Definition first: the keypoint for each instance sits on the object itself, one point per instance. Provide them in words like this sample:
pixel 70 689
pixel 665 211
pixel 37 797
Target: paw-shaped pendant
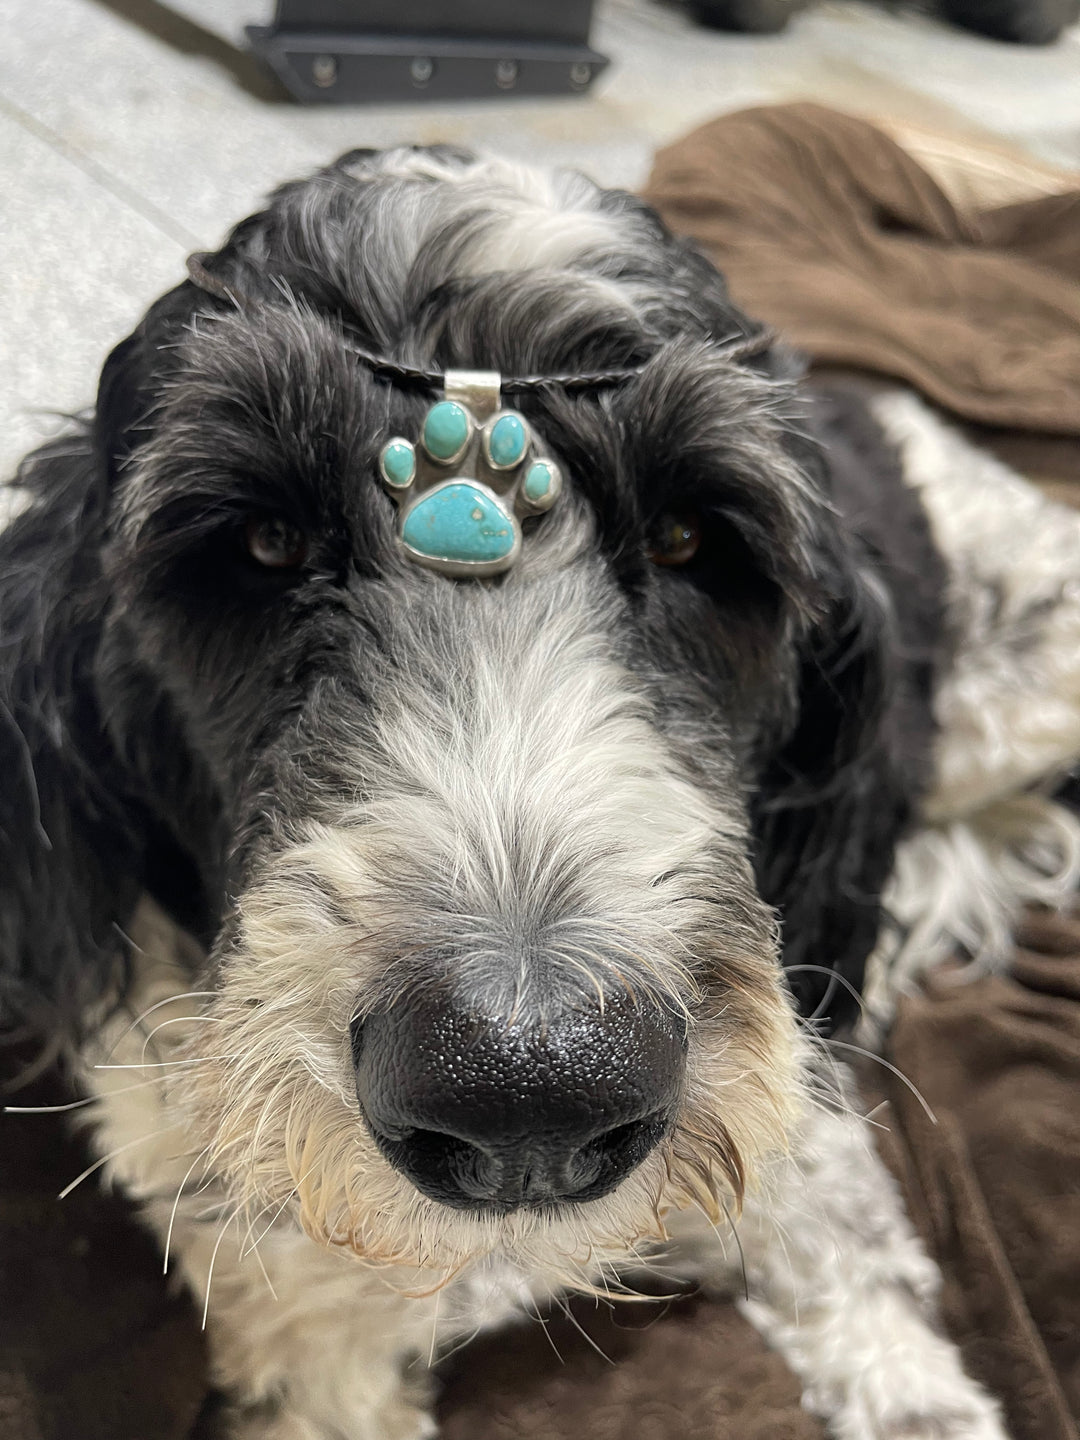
pixel 463 488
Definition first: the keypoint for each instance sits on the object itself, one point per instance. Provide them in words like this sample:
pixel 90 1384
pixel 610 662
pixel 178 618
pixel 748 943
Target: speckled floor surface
pixel 120 152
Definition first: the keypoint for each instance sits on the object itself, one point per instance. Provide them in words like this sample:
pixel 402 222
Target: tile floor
pixel 121 152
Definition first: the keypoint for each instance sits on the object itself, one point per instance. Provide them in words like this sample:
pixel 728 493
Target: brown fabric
pixel 994 1186
pixel 94 1343
pixel 829 230
pixel 93 1347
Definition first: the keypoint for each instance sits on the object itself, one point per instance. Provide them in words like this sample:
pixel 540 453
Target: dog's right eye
pixel 275 542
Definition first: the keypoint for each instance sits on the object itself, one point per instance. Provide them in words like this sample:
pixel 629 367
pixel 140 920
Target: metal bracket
pixel 373 51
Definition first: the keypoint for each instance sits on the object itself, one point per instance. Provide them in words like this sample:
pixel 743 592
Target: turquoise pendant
pixel 467 522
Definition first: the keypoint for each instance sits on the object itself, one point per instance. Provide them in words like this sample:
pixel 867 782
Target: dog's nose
pixel 494 1113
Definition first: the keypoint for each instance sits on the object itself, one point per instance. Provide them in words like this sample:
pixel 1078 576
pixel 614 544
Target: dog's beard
pixel 282 1125
pixel 498 797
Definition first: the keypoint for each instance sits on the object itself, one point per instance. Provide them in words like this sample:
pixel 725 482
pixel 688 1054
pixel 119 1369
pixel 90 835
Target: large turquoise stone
pixel 459 522
pixel 506 441
pixel 446 430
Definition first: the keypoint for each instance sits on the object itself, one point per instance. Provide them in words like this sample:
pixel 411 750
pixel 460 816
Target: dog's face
pixel 487 866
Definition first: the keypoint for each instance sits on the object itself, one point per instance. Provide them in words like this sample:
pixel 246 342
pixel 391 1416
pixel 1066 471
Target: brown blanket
pixel 829 230
pixel 826 227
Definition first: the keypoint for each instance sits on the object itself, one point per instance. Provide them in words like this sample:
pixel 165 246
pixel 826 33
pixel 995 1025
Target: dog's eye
pixel 275 542
pixel 675 538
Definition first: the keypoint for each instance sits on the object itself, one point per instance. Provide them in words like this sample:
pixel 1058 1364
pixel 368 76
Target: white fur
pixel 1014 603
pixel 535 219
pixel 1008 709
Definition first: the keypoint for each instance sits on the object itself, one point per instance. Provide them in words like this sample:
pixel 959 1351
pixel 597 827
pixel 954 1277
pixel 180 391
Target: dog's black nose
pixel 494 1113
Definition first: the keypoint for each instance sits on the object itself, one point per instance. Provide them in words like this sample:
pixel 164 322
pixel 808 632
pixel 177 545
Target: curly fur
pixel 249 809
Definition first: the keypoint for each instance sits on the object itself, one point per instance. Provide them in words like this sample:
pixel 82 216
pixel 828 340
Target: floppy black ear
pixel 68 848
pixel 832 805
pixel 838 794
pixel 83 831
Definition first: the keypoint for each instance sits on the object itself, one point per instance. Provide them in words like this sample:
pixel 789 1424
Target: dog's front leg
pixel 839 1283
pixel 332 1353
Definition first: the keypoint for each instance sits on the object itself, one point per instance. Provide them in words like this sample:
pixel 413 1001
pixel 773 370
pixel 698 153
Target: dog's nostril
pixel 626 1144
pixel 464 1175
pixel 443 1166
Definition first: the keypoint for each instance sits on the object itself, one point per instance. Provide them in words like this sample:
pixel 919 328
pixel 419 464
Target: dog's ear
pixel 68 854
pixel 82 833
pixel 834 799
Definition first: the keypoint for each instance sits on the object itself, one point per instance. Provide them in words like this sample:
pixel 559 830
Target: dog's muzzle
pixel 497 1113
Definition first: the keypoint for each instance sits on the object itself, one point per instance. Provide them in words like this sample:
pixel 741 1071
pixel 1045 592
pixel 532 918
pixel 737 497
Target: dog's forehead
pixel 282 389
pixel 422 218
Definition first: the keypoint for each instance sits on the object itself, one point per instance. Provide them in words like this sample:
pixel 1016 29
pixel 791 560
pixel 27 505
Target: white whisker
pixel 869 1054
pixel 120 1149
pixel 77 1104
pixel 213 1261
pixel 175 1204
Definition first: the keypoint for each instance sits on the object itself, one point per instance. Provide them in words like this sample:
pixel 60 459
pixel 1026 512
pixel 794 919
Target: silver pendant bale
pixel 463 488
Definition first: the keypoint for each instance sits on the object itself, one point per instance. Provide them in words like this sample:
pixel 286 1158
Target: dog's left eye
pixel 675 538
pixel 275 542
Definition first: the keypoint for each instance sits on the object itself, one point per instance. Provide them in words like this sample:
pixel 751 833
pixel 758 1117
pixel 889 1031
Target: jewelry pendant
pixel 464 487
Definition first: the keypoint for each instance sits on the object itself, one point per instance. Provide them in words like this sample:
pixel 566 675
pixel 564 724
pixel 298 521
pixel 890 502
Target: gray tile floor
pixel 120 153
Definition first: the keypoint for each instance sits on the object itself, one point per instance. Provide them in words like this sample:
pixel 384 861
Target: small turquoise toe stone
pixel 460 522
pixel 539 482
pixel 398 463
pixel 506 441
pixel 446 430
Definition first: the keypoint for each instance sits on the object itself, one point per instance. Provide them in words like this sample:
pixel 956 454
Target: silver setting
pixel 554 489
pixel 387 481
pixel 478 392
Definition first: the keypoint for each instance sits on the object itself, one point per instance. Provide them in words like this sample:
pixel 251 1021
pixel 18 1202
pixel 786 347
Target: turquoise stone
pixel 459 522
pixel 446 430
pixel 506 441
pixel 539 480
pixel 397 463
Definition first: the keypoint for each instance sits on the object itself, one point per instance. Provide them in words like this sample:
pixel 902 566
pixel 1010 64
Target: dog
pixel 448 810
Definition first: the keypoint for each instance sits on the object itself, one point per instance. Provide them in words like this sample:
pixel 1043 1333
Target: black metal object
pixel 369 51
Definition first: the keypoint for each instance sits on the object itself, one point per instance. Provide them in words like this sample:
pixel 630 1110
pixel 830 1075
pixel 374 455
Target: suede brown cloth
pixel 95 1346
pixel 994 1185
pixel 94 1343
pixel 829 230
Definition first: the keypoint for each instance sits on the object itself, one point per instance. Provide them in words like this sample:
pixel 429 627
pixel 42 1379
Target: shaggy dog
pixel 432 940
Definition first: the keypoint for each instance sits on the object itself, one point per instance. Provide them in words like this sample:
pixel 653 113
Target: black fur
pixel 165 704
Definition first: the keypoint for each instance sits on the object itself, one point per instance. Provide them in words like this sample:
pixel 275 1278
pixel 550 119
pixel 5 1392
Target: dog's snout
pixel 497 1113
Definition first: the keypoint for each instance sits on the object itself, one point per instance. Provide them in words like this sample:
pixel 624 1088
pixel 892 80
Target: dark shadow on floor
pixel 189 38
